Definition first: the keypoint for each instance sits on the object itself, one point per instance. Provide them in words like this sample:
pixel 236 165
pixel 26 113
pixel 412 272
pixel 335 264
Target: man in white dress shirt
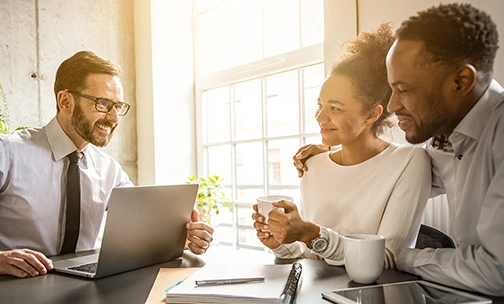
pixel 34 164
pixel 440 69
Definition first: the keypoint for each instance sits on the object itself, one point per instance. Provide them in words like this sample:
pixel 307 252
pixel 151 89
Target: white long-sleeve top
pixel 384 195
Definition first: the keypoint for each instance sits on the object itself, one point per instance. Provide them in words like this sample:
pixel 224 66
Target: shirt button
pixel 460 156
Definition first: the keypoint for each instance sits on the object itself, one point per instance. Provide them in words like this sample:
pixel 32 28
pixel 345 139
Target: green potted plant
pixel 210 197
pixel 4 114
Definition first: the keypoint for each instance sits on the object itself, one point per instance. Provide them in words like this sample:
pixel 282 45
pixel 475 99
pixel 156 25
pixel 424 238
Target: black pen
pixel 228 281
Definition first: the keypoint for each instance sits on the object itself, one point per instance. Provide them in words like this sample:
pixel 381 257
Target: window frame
pixel 297 59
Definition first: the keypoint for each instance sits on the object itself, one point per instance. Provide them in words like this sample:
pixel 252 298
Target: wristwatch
pixel 320 243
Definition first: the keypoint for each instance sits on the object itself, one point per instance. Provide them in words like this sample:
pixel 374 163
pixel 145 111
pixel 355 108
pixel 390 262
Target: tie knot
pixel 75 156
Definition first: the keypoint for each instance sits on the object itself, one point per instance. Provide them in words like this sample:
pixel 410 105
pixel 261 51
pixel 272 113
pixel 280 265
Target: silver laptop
pixel 145 225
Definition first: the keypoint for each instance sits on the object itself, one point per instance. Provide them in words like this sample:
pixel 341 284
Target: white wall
pixel 340 25
pixel 145 114
pixel 37 35
pixel 165 90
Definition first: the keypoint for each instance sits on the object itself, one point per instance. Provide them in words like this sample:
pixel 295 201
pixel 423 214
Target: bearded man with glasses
pixel 34 163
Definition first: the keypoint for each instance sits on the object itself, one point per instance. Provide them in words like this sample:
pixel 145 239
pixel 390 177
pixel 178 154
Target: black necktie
pixel 73 204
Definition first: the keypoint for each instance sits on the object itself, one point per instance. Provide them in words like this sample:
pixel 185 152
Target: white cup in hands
pixel 364 257
pixel 264 204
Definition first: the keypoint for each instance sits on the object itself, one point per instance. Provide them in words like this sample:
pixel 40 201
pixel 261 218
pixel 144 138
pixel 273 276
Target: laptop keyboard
pixel 90 268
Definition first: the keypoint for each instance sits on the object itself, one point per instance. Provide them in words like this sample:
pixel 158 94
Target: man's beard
pixel 421 135
pixel 84 128
pixel 432 128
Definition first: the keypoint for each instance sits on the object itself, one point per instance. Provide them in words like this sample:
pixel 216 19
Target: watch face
pixel 319 245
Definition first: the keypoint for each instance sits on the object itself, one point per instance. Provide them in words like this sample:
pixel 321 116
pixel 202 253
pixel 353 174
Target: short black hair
pixel 455 34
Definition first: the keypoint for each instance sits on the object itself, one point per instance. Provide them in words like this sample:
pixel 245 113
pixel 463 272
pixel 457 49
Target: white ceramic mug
pixel 264 204
pixel 364 257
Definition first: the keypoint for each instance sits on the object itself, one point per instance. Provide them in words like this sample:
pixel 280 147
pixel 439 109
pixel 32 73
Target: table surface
pixel 134 286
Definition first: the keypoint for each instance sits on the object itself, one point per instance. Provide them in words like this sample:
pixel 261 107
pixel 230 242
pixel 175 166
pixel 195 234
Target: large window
pixel 236 32
pixel 248 123
pixel 258 78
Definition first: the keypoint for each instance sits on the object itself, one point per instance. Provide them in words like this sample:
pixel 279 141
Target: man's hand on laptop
pixel 24 263
pixel 199 235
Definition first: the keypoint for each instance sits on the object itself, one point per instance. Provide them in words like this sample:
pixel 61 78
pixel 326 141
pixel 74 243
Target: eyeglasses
pixel 105 105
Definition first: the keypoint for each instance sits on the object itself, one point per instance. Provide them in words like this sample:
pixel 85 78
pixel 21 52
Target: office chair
pixel 430 237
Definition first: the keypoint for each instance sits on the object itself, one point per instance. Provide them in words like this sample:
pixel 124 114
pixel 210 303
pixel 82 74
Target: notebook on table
pixel 280 284
pixel 145 225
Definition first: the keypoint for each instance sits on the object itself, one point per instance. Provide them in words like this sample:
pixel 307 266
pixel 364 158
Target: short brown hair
pixel 72 72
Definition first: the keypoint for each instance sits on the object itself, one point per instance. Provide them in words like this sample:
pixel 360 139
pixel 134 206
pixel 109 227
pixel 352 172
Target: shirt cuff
pixel 282 252
pixel 404 260
pixel 334 262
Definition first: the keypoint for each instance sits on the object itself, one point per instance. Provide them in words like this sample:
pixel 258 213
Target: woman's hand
pixel 262 234
pixel 283 227
pixel 289 227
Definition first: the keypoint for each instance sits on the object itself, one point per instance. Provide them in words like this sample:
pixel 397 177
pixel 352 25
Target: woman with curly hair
pixel 365 184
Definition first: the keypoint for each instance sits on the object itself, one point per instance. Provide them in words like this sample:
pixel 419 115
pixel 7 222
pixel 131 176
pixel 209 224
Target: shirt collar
pixel 61 144
pixel 474 122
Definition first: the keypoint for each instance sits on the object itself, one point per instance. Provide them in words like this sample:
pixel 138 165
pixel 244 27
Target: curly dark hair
pixel 455 34
pixel 364 64
pixel 72 72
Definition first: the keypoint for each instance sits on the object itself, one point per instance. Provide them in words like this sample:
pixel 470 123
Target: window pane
pixel 206 4
pixel 313 140
pixel 255 122
pixel 219 163
pixel 246 21
pixel 248 109
pixel 313 77
pixel 280 168
pixel 281 26
pixel 282 104
pixel 224 216
pixel 249 194
pixel 214 34
pixel 294 193
pixel 249 163
pixel 223 234
pixel 249 237
pixel 312 22
pixel 245 215
pixel 216 105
